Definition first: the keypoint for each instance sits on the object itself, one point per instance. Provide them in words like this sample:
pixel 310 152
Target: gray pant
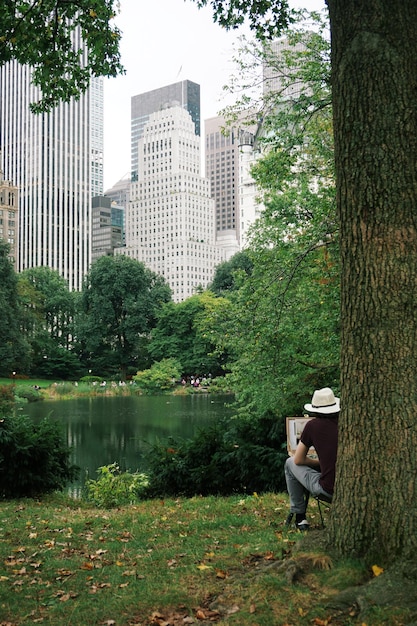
pixel 300 478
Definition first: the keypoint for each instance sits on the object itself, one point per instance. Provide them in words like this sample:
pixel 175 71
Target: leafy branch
pixel 65 43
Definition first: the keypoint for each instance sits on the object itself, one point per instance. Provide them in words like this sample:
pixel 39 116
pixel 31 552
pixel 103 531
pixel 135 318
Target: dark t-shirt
pixel 321 432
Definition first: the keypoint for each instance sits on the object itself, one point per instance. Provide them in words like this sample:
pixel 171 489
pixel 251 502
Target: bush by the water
pixel 34 459
pixel 7 399
pixel 29 393
pixel 162 376
pixel 231 456
pixel 115 488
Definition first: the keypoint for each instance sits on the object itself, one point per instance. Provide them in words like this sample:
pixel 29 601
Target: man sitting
pixel 314 475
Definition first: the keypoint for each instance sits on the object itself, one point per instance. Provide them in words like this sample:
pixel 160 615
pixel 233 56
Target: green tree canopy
pixel 226 275
pixel 119 303
pixel 282 325
pixel 48 309
pixel 266 17
pixel 45 35
pixel 14 350
pixel 181 334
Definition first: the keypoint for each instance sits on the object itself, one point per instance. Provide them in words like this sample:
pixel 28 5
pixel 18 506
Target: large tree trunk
pixel 374 63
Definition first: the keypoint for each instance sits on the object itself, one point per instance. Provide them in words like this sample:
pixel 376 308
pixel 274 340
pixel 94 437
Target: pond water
pixel 106 430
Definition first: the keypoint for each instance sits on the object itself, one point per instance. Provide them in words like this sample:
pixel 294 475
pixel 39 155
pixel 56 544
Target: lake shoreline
pixel 39 390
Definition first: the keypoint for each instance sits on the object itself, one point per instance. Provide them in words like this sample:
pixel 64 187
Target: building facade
pixel 170 221
pixel 9 216
pixel 120 192
pixel 250 207
pixel 230 152
pixel 185 94
pixel 222 168
pixel 277 77
pixel 56 160
pixel 107 232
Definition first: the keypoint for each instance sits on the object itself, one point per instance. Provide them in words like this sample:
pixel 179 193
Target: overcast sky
pixel 164 41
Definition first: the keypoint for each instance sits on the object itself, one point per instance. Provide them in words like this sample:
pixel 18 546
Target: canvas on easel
pixel 295 426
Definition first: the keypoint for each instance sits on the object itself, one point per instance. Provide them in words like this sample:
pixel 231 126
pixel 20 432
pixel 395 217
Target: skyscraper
pixel 222 168
pixel 56 160
pixel 185 94
pixel 170 220
pixel 278 77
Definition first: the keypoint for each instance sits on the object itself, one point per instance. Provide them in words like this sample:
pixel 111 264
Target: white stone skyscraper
pixel 170 220
pixel 56 161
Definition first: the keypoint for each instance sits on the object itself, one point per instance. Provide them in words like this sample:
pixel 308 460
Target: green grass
pixel 51 390
pixel 41 382
pixel 162 562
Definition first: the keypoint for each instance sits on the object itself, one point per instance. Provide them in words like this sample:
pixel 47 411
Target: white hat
pixel 323 401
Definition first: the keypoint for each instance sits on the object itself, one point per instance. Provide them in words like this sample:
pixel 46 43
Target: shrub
pixel 28 393
pixel 115 488
pixel 91 379
pixel 231 456
pixel 34 460
pixel 7 399
pixel 162 376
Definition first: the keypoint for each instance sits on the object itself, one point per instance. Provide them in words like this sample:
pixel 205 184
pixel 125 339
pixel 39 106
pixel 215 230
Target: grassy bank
pixel 188 561
pixel 52 390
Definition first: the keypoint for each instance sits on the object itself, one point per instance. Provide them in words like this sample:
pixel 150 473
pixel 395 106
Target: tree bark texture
pixel 374 65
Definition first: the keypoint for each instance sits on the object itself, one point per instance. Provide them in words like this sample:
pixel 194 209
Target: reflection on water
pixel 106 430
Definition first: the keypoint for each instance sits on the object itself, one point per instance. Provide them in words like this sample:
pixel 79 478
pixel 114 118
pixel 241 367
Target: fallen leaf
pixel 202 566
pixel 65 572
pixel 125 536
pixel 377 570
pixel 65 597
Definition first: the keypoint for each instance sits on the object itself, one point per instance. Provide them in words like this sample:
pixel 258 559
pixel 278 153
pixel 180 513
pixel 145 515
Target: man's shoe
pixel 303 525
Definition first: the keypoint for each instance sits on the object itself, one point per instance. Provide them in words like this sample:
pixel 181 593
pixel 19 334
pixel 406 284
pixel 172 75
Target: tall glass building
pixel 185 94
pixel 56 161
